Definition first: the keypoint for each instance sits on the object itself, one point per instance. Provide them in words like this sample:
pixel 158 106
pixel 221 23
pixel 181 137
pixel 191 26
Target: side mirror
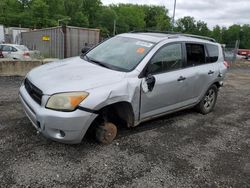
pixel 150 79
pixel 85 50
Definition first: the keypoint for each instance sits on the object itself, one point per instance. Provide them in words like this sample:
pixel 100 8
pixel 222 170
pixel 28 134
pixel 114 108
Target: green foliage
pixel 245 36
pixel 191 26
pixel 105 21
pixel 129 17
pixel 83 13
pixel 126 17
pixel 223 35
pixel 217 33
pixel 186 25
pixel 156 18
pixel 39 13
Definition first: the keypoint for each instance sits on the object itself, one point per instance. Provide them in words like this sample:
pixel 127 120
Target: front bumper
pixel 66 127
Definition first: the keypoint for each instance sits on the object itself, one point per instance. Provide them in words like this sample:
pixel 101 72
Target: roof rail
pixel 153 31
pixel 199 37
pixel 175 33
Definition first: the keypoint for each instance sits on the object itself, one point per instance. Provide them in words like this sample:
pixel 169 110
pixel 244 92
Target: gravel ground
pixel 185 149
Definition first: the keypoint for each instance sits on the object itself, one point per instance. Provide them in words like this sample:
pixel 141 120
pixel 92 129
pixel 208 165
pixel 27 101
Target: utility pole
pixel 173 14
pixel 114 30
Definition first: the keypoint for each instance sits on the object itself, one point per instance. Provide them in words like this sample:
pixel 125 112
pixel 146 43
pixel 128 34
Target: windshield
pixel 120 53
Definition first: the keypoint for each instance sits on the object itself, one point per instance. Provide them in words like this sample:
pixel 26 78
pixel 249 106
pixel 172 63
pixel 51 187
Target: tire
pixel 106 133
pixel 207 103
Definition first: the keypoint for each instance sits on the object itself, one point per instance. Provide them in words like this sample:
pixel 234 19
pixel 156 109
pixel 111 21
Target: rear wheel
pixel 106 132
pixel 207 103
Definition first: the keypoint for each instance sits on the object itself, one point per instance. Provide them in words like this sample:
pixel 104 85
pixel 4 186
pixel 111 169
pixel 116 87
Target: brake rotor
pixel 106 133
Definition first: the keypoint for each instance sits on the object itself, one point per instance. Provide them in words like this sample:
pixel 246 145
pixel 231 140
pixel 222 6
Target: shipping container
pixel 60 42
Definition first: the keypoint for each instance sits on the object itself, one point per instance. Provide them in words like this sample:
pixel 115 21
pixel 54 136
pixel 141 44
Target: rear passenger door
pixel 203 65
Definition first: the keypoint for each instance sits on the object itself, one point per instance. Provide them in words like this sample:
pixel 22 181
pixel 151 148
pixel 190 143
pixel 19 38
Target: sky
pixel 213 12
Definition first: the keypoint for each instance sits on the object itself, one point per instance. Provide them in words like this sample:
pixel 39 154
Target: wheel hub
pixel 209 99
pixel 106 133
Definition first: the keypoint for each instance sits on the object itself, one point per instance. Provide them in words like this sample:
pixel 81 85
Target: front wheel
pixel 207 103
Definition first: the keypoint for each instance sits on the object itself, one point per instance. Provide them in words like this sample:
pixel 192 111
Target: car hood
pixel 72 74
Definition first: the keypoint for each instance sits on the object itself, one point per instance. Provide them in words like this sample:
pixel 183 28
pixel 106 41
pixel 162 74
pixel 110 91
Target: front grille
pixel 33 91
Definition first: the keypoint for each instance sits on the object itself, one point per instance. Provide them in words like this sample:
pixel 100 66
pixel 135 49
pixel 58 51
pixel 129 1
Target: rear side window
pixel 213 53
pixel 14 49
pixel 195 54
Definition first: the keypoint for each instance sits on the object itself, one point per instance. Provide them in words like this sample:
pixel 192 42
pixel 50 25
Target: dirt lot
pixel 185 149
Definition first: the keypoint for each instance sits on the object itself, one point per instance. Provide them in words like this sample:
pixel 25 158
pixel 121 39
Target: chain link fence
pixel 231 50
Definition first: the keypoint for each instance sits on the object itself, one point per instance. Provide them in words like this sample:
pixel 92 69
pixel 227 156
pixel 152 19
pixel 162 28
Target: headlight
pixel 66 101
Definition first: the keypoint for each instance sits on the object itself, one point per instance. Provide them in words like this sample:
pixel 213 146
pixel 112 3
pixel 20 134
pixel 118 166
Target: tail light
pixel 27 54
pixel 226 64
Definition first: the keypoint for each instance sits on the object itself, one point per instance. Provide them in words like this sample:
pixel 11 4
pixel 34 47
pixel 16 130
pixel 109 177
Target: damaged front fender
pixel 127 90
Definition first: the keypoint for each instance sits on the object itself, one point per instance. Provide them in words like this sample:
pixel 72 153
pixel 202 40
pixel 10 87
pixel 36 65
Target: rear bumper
pixel 66 127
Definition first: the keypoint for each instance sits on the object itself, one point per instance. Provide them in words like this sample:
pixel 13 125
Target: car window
pixel 7 48
pixel 22 48
pixel 120 53
pixel 166 59
pixel 195 54
pixel 213 53
pixel 13 49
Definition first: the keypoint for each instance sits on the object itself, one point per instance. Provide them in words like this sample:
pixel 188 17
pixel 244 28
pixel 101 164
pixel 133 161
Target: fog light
pixel 62 133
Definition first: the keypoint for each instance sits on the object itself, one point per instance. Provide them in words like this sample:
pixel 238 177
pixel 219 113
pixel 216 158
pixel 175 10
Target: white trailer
pixel 2 38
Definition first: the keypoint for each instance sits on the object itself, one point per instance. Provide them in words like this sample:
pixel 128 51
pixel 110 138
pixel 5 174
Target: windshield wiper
pixel 85 57
pixel 103 64
pixel 97 62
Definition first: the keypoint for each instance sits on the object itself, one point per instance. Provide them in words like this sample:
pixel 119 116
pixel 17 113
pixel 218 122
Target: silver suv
pixel 123 81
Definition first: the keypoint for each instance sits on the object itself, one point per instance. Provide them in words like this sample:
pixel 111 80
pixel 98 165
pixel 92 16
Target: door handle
pixel 210 72
pixel 181 78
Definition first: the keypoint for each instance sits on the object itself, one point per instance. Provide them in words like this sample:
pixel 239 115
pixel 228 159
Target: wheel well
pixel 120 113
pixel 218 85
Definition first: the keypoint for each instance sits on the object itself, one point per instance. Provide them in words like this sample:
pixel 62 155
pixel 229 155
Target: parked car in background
pixel 16 52
pixel 126 80
pixel 244 52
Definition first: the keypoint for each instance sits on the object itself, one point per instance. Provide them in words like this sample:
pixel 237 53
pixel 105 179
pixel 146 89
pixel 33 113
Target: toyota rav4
pixel 123 81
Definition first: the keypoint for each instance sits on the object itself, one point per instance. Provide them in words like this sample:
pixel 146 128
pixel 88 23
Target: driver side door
pixel 166 67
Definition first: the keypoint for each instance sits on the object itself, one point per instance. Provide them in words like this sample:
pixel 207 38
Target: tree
pixel 156 17
pixel 186 24
pixel 106 17
pixel 245 36
pixel 201 29
pixel 10 12
pixel 216 33
pixel 91 8
pixel 79 19
pixel 39 13
pixel 129 17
